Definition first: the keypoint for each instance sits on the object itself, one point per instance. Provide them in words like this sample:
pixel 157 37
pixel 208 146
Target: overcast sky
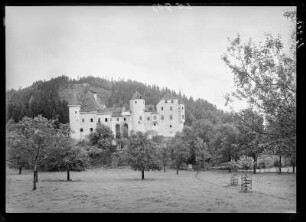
pixel 180 49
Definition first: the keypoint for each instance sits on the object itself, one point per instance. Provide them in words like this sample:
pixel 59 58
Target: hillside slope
pixel 51 98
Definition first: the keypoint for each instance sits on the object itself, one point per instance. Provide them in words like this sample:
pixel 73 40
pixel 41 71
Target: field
pixel 122 190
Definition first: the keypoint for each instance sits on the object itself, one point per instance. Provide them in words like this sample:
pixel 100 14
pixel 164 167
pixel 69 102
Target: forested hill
pixel 50 98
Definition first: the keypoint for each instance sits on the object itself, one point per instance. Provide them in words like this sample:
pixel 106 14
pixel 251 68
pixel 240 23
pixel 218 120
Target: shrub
pixel 234 165
pixel 276 163
pixel 261 164
pixel 245 163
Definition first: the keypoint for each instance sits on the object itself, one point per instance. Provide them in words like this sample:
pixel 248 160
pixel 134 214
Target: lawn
pixel 122 190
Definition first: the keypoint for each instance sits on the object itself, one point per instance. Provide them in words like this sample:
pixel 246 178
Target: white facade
pixel 166 119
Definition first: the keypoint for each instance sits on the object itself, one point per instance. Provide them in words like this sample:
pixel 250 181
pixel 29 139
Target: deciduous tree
pixel 180 151
pixel 142 154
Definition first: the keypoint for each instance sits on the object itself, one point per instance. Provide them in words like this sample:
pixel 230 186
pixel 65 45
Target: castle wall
pixel 74 121
pixel 88 124
pixel 170 117
pixel 168 120
pixel 137 107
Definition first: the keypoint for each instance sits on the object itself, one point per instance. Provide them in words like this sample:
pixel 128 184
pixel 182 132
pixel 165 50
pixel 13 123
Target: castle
pixel 165 119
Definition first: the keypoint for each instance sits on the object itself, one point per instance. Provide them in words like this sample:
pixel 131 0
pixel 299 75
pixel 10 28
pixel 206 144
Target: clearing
pixel 122 190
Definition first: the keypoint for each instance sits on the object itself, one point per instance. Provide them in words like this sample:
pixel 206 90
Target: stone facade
pixel 165 119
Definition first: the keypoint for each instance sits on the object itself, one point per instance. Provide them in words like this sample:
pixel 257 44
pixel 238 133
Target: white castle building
pixel 165 119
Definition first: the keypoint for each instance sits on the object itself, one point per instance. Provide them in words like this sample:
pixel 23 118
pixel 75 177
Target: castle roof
pixel 149 108
pixel 168 96
pixel 136 95
pixel 111 111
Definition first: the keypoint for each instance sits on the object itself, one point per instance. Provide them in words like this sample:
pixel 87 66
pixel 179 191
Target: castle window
pixel 91 120
pixel 170 126
pixel 124 119
pixel 154 117
pixel 154 124
pixel 162 108
pixel 91 129
pixel 99 120
pixel 83 120
pixel 140 117
pixel 81 130
pixel 166 101
pixel 106 119
pixel 76 112
pixel 117 119
pixel 182 107
pixel 171 117
pixel 170 107
pixel 171 101
pixel 162 117
pixel 148 118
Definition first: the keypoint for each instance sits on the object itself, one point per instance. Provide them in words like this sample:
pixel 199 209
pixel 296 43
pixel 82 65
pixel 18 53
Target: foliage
pixel 104 140
pixel 50 98
pixel 245 163
pixel 226 142
pixel 180 149
pixel 264 163
pixel 265 76
pixel 142 154
pixel 33 138
pixel 43 143
pixel 201 151
pixel 250 125
pixel 41 98
pixel 234 165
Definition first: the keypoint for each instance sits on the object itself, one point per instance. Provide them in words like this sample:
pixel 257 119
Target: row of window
pixel 161 117
pixel 91 129
pixel 171 108
pixel 105 119
pixel 140 118
pixel 136 102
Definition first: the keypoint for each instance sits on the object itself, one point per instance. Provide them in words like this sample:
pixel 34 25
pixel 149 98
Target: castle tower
pixel 137 107
pixel 74 120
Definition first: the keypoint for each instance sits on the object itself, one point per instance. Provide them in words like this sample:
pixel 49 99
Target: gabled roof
pixel 137 95
pixel 168 97
pixel 111 111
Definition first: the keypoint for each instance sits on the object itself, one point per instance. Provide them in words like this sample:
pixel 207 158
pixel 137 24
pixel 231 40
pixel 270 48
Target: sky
pixel 175 47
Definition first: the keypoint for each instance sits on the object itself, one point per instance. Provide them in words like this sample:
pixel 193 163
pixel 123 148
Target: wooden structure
pixel 246 183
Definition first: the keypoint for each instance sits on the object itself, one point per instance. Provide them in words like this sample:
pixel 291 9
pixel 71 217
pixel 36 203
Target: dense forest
pixel 50 98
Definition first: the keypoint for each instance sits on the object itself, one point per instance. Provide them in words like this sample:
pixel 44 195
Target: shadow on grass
pixel 61 180
pixel 139 179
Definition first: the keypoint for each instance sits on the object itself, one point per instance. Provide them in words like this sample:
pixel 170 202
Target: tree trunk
pixel 68 175
pixel 293 168
pixel 203 166
pixel 20 168
pixel 280 164
pixel 142 174
pixel 255 165
pixel 177 170
pixel 34 178
pixel 164 168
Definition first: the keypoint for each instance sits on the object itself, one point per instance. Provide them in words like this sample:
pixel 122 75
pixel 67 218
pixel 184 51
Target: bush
pixel 261 165
pixel 276 163
pixel 245 163
pixel 233 165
